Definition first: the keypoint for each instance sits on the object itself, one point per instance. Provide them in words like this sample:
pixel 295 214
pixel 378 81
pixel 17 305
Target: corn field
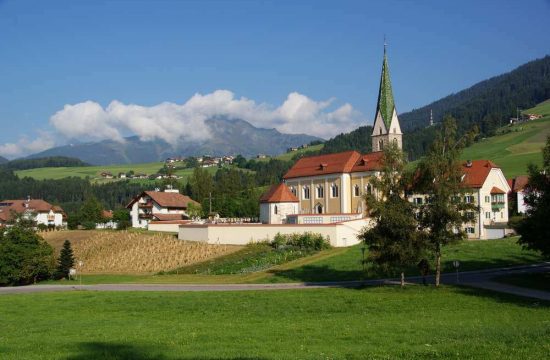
pixel 134 252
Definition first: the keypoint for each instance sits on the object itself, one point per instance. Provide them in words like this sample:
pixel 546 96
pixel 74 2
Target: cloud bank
pixel 177 123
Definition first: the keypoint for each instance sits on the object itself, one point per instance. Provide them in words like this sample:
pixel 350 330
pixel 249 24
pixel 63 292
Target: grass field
pixel 289 155
pixel 516 146
pixel 371 323
pixel 93 172
pixel 338 264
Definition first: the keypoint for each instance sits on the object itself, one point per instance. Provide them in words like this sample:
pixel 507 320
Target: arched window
pixel 369 189
pixel 380 145
pixel 334 190
pixel 356 191
pixel 380 131
pixel 395 141
pixel 320 192
pixel 306 192
pixel 275 210
pixel 319 208
pixel 293 190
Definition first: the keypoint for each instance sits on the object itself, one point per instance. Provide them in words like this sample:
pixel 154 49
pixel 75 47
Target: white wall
pixel 268 216
pixel 340 235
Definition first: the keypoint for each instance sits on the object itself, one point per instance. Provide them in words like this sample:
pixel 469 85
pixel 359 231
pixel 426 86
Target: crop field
pixel 370 323
pixel 516 146
pixel 133 252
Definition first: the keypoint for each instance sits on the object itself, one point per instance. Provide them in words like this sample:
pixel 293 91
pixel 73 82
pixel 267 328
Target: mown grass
pixel 371 323
pixel 537 281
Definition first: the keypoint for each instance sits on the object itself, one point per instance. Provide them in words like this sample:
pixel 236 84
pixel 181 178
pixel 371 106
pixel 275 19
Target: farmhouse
pixel 42 212
pixel 159 206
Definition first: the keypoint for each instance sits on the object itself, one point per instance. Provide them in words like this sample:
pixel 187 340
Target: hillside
pixel 514 147
pixel 488 102
pixel 3 160
pixel 228 137
pixel 53 161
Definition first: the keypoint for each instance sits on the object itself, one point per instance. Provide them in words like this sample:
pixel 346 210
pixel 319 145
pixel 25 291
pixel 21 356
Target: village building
pixel 38 210
pixel 159 206
pixel 518 187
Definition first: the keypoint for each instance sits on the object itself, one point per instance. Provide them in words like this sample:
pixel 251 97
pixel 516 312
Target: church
pixel 331 187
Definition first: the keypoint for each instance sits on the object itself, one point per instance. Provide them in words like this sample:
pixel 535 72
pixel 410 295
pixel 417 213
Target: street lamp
pixel 456 265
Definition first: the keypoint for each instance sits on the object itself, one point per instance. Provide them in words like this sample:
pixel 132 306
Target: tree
pixel 201 184
pixel 439 177
pixel 65 261
pixel 535 228
pixel 91 211
pixel 24 256
pixel 194 210
pixel 394 242
pixel 122 218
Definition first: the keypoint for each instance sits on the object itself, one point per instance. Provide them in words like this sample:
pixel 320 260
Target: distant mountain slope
pixel 491 102
pixel 3 160
pixel 47 162
pixel 229 136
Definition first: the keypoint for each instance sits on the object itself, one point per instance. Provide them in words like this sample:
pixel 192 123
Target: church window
pixel 306 193
pixel 293 190
pixel 380 131
pixel 319 209
pixel 395 141
pixel 334 190
pixel 275 210
pixel 381 145
pixel 356 190
pixel 369 189
pixel 320 192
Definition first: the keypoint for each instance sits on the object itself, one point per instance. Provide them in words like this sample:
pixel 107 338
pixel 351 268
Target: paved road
pixel 481 279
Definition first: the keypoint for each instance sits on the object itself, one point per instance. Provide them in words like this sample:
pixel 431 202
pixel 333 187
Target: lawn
pixel 371 323
pixel 538 281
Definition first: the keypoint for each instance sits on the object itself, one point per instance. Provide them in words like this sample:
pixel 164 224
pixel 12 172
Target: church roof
pixel 278 193
pixel 385 104
pixel 338 163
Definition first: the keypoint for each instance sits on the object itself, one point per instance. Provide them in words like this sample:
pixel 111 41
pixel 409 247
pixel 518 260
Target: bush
pixel 123 224
pixel 89 225
pixel 305 241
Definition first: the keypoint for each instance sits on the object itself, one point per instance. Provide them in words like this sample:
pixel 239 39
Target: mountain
pixel 488 103
pixel 3 160
pixel 229 136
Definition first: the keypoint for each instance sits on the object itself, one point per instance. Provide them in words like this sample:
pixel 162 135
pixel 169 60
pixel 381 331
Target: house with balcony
pixel 38 210
pixel 158 207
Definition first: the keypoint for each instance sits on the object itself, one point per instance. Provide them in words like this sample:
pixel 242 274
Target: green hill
pixel 514 147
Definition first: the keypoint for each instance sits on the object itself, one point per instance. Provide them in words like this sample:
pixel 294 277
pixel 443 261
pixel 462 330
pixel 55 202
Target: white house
pixel 158 206
pixel 518 185
pixel 42 212
pixel 277 204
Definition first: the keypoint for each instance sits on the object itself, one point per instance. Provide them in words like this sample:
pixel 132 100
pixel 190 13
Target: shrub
pixel 89 225
pixel 305 241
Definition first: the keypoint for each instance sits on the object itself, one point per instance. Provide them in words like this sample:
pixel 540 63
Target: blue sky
pixel 301 66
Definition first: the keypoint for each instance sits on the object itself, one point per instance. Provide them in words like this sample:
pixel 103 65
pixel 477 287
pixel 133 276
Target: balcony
pixel 146 205
pixel 145 216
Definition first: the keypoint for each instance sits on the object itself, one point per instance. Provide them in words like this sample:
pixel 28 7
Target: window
pixel 395 141
pixel 470 230
pixel 319 208
pixel 305 191
pixel 469 199
pixel 275 210
pixel 369 189
pixel 470 215
pixel 487 215
pixel 356 190
pixel 381 143
pixel 487 199
pixel 418 200
pixel 320 192
pixel 334 190
pixel 293 190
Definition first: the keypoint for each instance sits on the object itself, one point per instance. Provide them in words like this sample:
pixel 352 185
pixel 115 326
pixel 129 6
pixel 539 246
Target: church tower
pixel 386 124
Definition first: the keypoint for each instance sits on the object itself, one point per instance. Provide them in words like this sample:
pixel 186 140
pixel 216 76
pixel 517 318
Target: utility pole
pixel 210 201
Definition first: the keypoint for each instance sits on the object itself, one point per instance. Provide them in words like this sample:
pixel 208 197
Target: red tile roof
pixel 477 172
pixel 496 190
pixel 168 217
pixel 278 193
pixel 166 199
pixel 520 182
pixel 344 162
pixel 20 206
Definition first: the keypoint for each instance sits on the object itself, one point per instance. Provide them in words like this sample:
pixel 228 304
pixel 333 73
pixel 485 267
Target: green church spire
pixel 385 103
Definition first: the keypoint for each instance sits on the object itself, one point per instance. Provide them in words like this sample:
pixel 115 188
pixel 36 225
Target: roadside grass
pixel 537 281
pixel 345 264
pixel 371 323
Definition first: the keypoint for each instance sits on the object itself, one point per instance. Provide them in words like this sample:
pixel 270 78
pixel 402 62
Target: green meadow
pixel 371 323
pixel 515 146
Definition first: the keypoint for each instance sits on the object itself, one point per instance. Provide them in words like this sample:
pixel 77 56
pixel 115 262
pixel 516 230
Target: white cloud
pixel 25 146
pixel 175 123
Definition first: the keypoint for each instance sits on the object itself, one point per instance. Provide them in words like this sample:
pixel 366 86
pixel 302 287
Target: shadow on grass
pixel 318 273
pixel 112 351
pixel 502 297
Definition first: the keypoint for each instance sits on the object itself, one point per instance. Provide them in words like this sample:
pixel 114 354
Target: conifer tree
pixel 65 261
